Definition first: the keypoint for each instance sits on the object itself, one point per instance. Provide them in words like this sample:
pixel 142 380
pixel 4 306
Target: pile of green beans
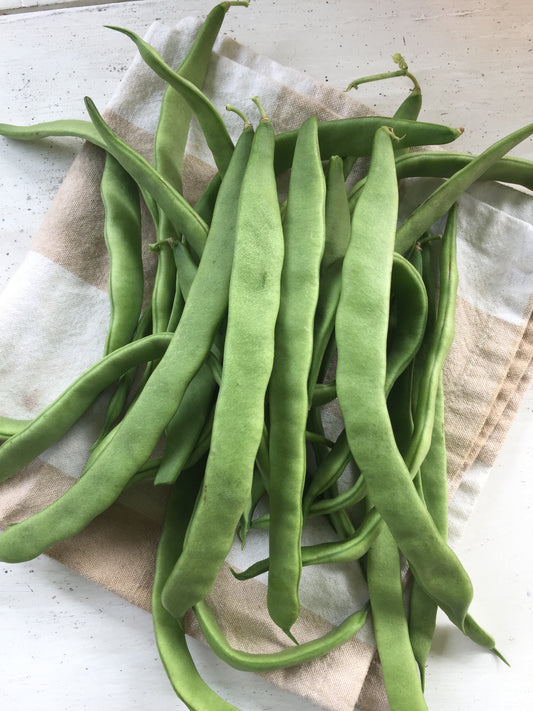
pixel 230 366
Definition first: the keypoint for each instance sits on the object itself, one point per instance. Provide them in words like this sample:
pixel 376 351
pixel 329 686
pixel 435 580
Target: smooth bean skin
pixel 10 426
pixel 344 551
pixel 288 657
pixel 75 128
pixel 213 126
pixel 337 219
pixel 444 164
pixel 248 357
pixel 364 309
pixel 403 342
pixel 354 137
pixel 185 427
pixel 57 418
pixel 127 447
pixel 400 671
pixel 441 200
pixel 170 638
pixel 304 233
pixel 170 141
pixel 123 236
pixel 182 215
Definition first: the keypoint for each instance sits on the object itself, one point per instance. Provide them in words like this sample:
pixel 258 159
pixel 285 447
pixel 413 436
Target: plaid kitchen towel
pixel 53 321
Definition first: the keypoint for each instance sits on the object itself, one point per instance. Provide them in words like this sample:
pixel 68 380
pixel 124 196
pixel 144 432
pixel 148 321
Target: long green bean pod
pixel 444 164
pixel 170 638
pixel 354 137
pixel 400 672
pixel 248 356
pixel 213 126
pixel 123 236
pixel 337 217
pixel 361 370
pixel 304 232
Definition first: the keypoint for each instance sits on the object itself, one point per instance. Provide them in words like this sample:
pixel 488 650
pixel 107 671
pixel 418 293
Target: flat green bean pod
pixel 127 447
pixel 361 369
pixel 304 234
pixel 123 236
pixel 248 356
pixel 354 137
pixel 10 426
pixel 444 164
pixel 75 128
pixel 213 126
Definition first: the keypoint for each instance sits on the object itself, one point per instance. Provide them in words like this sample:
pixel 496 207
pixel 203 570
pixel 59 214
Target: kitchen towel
pixel 53 320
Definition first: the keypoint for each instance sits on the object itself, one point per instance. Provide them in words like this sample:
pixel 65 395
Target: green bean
pixel 248 355
pixel 433 471
pixel 288 657
pixel 213 127
pixel 441 200
pixel 76 128
pixel 361 368
pixel 400 672
pixel 119 397
pixel 304 232
pixel 345 551
pixel 337 216
pixel 444 164
pixel 170 638
pixel 10 426
pixel 55 419
pixel 185 427
pixel 354 136
pixel 403 343
pixel 163 290
pixel 182 215
pixel 258 491
pixel 169 149
pixel 110 468
pixel 122 230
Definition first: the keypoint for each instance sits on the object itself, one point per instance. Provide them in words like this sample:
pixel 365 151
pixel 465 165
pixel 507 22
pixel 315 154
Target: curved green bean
pixel 213 126
pixel 364 309
pixel 354 137
pixel 170 638
pixel 57 418
pixel 441 200
pixel 288 657
pixel 181 214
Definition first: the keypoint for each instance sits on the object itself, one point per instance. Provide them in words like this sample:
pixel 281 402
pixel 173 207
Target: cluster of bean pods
pixel 253 299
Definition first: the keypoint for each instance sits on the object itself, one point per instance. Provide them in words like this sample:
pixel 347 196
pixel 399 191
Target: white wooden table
pixel 67 644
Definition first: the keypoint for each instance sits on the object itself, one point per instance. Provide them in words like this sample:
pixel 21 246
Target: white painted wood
pixel 67 644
